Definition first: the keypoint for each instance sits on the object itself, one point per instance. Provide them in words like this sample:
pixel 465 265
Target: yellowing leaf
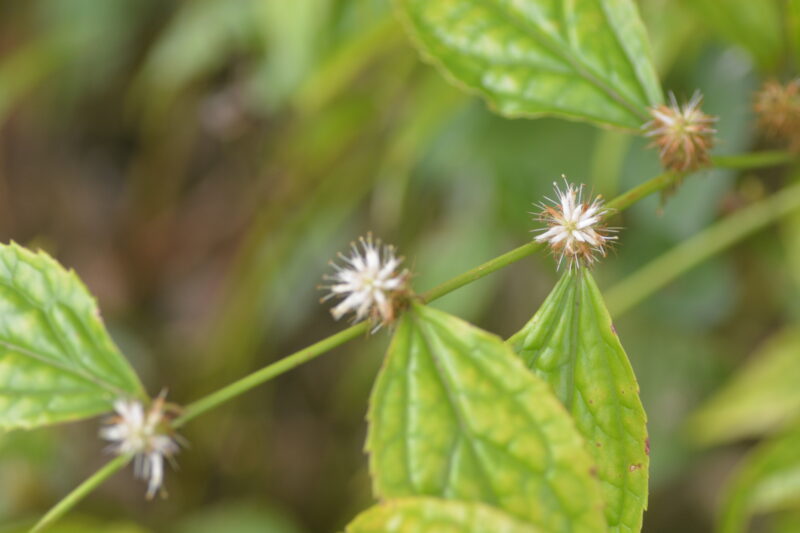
pixel 582 59
pixel 571 344
pixel 455 414
pixel 57 361
pixel 433 515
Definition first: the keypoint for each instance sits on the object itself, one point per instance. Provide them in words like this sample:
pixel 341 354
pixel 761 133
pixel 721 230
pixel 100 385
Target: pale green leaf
pixel 583 59
pixel 762 396
pixel 57 362
pixel 455 414
pixel 571 343
pixel 433 515
pixel 768 480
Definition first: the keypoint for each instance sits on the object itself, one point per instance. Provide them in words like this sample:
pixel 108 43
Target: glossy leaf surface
pixel 57 362
pixel 455 414
pixel 571 343
pixel 583 59
pixel 433 515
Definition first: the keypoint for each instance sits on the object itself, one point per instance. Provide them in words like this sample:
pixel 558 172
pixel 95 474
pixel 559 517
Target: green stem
pixel 273 370
pixel 81 491
pixel 623 296
pixel 268 372
pixel 660 182
pixel 480 271
pixel 700 247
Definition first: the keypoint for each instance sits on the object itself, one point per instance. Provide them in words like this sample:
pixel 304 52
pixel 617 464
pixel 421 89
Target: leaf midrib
pixel 451 400
pixel 441 375
pixel 577 65
pixel 81 370
pixel 572 342
pixel 21 350
pixel 619 409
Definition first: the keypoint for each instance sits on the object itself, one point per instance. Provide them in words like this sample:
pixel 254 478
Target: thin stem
pixel 81 491
pixel 268 372
pixel 627 199
pixel 294 360
pixel 621 297
pixel 739 162
pixel 689 253
pixel 480 271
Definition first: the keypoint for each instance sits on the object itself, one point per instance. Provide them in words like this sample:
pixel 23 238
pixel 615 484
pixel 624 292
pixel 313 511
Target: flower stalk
pixel 81 491
pixel 691 252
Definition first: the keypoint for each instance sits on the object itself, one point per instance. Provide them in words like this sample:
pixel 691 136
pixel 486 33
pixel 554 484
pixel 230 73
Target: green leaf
pixel 57 362
pixel 571 343
pixel 761 397
pixel 583 59
pixel 455 414
pixel 433 515
pixel 768 480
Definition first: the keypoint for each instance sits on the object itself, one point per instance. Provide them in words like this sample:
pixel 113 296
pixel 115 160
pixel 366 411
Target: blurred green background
pixel 198 162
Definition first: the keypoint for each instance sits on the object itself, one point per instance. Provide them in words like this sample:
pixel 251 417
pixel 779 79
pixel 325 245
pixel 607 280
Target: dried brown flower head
pixel 683 134
pixel 778 109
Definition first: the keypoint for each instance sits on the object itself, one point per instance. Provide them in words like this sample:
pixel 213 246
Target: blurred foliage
pixel 197 163
pixel 761 399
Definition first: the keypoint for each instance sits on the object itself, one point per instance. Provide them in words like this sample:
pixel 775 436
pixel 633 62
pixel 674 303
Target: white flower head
pixel 144 434
pixel 575 230
pixel 369 282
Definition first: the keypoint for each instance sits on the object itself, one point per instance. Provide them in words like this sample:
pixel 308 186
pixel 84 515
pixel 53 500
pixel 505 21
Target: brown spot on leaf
pixel 647 446
pixel 634 468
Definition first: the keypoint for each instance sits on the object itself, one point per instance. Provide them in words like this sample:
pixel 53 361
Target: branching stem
pixel 620 203
pixel 691 252
pixel 621 297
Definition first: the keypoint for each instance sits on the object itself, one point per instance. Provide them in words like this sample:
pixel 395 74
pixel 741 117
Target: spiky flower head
pixel 575 228
pixel 369 282
pixel 683 134
pixel 778 109
pixel 146 435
